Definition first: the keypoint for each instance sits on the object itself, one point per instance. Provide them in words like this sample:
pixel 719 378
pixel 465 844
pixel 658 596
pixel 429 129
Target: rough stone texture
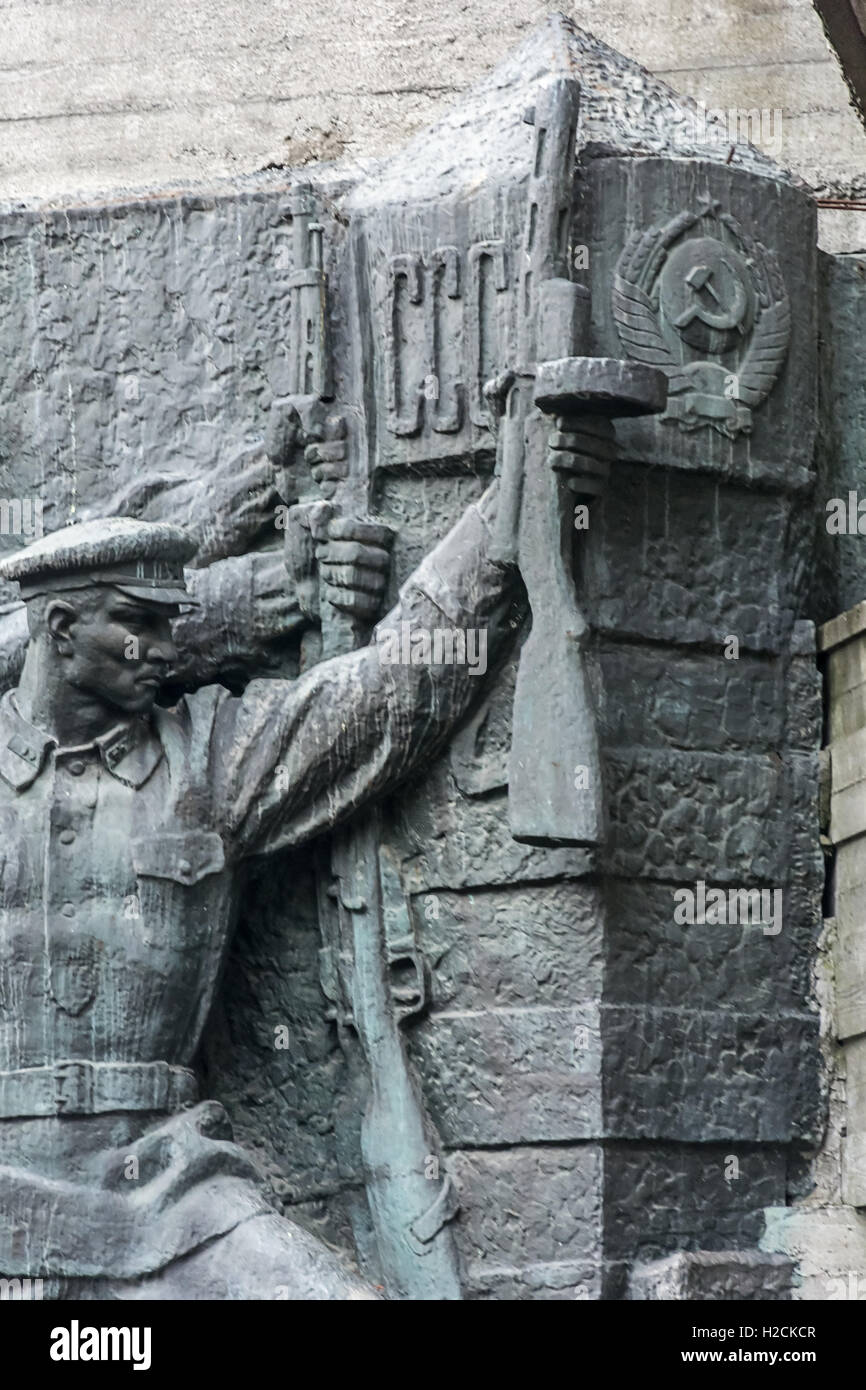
pixel 283 1098
pixel 777 448
pixel 705 562
pixel 706 1034
pixel 694 815
pixel 828 1243
pixel 729 1076
pixel 101 96
pixel 541 1235
pixel 825 1232
pixel 656 962
pixel 728 1274
pixel 712 1186
pixel 143 335
pixel 513 1076
pixel 841 576
pixel 703 703
pixel 510 947
pixel 577 1041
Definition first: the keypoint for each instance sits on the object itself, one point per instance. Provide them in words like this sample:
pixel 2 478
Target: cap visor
pixel 172 598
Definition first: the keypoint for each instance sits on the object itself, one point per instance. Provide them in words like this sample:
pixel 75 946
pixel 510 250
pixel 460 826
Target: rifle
pixel 555 792
pixel 410 1204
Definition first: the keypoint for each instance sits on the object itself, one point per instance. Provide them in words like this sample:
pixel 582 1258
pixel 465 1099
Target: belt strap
pixel 78 1087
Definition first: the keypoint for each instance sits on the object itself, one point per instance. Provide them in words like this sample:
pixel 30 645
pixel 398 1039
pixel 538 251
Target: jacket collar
pixel 130 751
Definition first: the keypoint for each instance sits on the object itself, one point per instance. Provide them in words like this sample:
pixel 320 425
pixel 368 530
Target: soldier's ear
pixel 59 617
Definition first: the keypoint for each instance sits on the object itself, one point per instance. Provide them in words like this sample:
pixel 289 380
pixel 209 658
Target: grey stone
pixel 714 1275
pixel 577 1067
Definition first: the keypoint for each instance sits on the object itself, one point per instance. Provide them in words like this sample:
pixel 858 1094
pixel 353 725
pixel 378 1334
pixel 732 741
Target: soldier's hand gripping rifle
pixel 554 773
pixel 410 1203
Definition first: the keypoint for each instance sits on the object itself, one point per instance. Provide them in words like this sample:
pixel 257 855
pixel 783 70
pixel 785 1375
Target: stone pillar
pixel 825 1232
pixel 710 716
pixel 651 1081
pixel 843 641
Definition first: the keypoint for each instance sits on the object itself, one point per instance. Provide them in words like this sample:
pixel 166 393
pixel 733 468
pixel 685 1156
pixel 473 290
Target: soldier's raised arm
pixel 295 758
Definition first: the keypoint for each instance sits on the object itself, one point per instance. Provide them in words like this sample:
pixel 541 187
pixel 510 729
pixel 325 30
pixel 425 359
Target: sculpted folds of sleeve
pixel 294 758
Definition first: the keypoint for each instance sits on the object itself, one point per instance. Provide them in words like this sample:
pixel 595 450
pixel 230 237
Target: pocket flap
pixel 185 857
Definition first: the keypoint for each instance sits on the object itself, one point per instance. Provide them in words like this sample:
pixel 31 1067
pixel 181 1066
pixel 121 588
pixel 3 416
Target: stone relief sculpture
pixel 466 448
pixel 132 815
pixel 708 295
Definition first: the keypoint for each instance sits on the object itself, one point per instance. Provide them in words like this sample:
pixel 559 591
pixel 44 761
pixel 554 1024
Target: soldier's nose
pixel 163 653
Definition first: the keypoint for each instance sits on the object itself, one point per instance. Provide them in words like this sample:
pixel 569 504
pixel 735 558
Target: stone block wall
pixel 826 1231
pixel 97 96
pixel 611 1085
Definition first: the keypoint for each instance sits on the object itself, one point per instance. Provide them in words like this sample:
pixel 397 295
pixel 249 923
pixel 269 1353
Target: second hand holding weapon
pixel 555 791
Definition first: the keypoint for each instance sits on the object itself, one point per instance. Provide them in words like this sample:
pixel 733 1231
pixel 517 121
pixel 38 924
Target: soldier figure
pixel 125 829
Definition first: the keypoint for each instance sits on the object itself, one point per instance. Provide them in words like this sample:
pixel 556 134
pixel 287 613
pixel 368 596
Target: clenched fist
pixel 353 562
pixel 302 428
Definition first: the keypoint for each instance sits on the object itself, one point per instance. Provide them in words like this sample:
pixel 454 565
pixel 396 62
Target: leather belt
pixel 77 1087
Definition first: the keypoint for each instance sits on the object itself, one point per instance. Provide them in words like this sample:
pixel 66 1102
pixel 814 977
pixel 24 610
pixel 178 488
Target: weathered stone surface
pixel 456 842
pixel 204 93
pixel 591 1063
pixel 683 559
pixel 643 194
pixel 840 580
pixel 294 1105
pixel 848 772
pixel 724 1076
pixel 511 948
pixel 599 386
pixel 682 701
pixel 717 1189
pixel 804 714
pixel 828 1244
pixel 549 1282
pixel 850 954
pixel 683 816
pixel 543 1212
pixel 714 1275
pixel 854 1148
pixel 654 961
pixel 166 363
pixel 512 1076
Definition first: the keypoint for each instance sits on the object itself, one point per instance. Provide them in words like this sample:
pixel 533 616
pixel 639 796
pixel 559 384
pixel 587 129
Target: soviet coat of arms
pixel 711 310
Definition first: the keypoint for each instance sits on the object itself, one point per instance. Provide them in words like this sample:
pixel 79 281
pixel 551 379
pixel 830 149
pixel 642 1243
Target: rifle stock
pixel 554 773
pixel 410 1205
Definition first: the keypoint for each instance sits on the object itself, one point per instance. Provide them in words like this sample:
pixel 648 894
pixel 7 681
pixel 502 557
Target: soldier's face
pixel 120 650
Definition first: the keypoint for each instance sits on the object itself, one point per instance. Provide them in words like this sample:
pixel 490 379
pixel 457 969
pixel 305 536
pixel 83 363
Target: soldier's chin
pixel 140 697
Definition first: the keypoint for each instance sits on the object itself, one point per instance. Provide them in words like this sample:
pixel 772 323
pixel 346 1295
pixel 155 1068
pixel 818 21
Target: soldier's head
pixel 100 598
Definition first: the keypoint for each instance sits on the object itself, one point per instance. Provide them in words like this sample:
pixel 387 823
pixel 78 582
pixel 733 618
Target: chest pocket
pixel 181 886
pixel 185 858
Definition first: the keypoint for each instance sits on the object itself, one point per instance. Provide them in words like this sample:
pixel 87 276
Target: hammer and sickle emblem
pixel 712 310
pixel 705 294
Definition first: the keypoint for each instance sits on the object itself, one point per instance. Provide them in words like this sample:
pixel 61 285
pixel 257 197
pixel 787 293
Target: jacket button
pixel 66 837
pixel 68 909
pixel 76 767
pixel 185 867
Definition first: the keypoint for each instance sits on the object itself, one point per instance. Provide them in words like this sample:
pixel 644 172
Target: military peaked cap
pixel 142 558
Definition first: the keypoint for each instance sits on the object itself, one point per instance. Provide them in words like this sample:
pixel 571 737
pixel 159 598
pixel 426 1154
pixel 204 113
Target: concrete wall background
pixel 98 96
